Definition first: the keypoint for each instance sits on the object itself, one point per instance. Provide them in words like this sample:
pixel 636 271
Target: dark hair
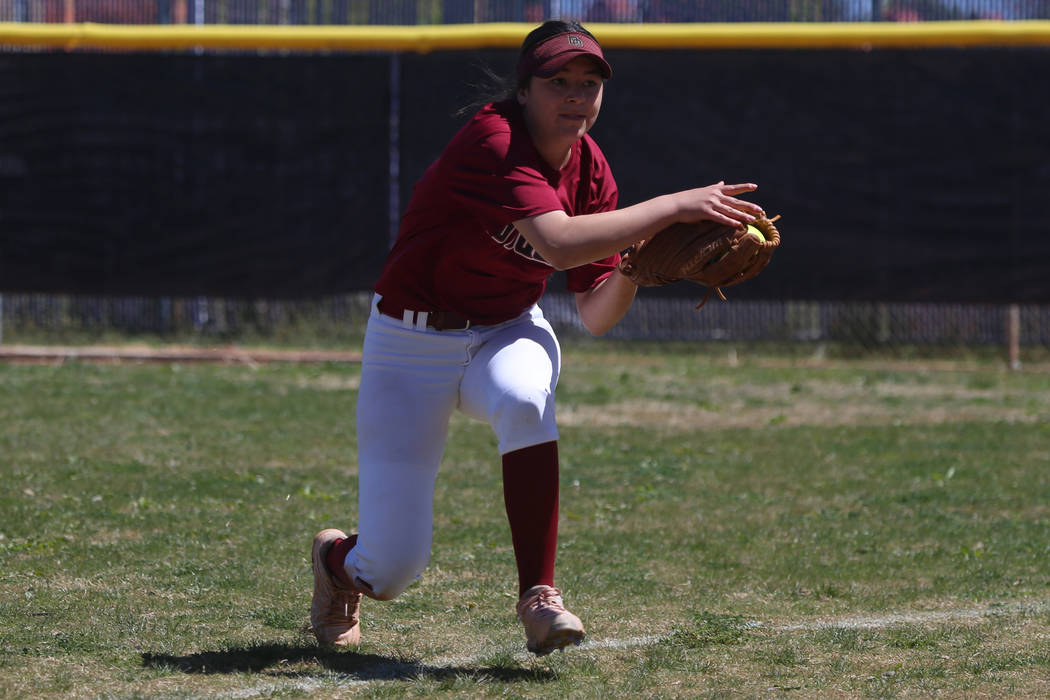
pixel 493 86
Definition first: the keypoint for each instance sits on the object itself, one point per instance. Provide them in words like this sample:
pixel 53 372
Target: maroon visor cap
pixel 545 59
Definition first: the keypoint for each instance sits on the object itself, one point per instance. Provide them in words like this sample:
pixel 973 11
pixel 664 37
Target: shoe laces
pixel 545 601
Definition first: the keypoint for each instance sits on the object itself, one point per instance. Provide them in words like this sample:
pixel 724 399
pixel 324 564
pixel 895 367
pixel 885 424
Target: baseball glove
pixel 705 252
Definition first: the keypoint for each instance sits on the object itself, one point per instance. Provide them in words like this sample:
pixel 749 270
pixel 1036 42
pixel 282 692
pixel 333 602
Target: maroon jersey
pixel 458 250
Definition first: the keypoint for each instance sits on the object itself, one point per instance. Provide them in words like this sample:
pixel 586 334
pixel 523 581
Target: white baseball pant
pixel 412 379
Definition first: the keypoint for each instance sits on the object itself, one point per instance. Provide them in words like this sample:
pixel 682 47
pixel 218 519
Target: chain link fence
pixel 1011 332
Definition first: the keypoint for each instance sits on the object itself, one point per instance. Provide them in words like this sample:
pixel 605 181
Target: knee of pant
pixel 384 595
pixel 518 412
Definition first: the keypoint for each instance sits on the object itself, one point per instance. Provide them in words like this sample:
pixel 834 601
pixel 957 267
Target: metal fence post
pixel 394 150
pixel 1013 335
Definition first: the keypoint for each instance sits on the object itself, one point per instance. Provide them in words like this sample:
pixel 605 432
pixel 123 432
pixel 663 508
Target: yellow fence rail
pixel 427 38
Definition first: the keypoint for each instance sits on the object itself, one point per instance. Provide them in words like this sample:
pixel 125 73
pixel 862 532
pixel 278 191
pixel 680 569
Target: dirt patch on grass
pixel 817 404
pixel 229 354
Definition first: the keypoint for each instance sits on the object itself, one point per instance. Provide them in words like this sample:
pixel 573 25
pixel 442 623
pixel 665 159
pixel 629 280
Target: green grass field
pixel 761 528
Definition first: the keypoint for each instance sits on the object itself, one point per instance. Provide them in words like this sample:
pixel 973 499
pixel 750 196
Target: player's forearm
pixel 602 308
pixel 570 241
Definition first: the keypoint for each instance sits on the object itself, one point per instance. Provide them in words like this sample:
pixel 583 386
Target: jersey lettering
pixel 512 240
pixel 503 234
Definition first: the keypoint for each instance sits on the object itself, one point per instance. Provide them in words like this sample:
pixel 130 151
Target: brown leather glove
pixel 705 252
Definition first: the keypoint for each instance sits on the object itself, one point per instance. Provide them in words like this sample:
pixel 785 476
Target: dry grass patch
pixel 672 416
pixel 672 402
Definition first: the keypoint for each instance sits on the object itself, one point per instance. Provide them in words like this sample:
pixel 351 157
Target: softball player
pixel 519 192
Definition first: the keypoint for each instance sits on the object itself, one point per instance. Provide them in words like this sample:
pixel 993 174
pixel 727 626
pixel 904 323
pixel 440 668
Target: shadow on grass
pixel 364 667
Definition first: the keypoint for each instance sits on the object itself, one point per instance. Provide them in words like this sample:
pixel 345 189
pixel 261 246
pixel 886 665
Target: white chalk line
pixel 396 670
pixel 923 617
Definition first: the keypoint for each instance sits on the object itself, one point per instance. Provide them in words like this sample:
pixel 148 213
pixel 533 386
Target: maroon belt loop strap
pixel 438 320
pixel 447 321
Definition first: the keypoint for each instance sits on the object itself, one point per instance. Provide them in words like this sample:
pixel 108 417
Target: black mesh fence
pixel 407 12
pixel 251 176
pixel 984 130
pixel 174 174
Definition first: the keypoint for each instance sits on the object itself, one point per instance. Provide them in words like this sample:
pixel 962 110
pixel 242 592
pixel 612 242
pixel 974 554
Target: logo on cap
pixel 576 41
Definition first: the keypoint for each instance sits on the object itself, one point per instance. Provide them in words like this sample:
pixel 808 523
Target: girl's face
pixel 563 108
